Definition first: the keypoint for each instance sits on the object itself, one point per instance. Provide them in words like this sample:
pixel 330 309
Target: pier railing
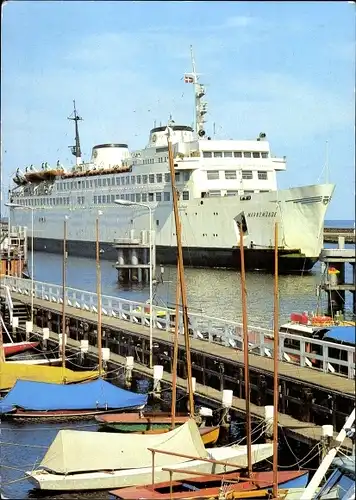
pixel 302 351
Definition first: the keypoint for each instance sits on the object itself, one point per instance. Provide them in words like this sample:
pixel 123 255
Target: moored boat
pixel 209 486
pixel 139 421
pixel 13 348
pixel 109 461
pixel 34 400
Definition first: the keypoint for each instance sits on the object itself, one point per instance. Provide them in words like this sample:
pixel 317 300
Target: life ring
pixel 154 138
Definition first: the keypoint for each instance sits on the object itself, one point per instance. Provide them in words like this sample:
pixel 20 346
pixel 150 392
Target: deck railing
pixel 302 351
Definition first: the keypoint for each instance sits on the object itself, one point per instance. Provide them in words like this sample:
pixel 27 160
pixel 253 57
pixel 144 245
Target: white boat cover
pixel 81 451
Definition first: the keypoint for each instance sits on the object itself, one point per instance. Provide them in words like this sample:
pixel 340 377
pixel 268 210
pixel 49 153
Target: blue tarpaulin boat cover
pixel 97 394
pixel 341 334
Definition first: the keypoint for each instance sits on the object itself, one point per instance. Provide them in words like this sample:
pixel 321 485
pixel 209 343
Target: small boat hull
pixel 17 347
pixel 205 487
pixel 137 422
pixel 49 481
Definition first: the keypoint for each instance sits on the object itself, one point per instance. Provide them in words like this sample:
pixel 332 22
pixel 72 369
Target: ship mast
pixel 199 92
pixel 76 151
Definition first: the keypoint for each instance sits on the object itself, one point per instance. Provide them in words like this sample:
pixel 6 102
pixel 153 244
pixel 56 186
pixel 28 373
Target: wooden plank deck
pixel 326 381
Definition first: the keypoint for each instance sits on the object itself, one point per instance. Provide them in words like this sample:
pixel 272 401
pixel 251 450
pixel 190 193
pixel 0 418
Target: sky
pixel 283 68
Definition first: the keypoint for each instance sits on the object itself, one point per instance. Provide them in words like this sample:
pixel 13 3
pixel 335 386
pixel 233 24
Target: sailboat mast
pixel 64 268
pixel 175 353
pixel 181 273
pixel 246 361
pixel 98 294
pixel 76 151
pixel 275 365
pixel 2 353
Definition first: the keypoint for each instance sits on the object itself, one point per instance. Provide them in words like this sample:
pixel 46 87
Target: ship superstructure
pixel 221 184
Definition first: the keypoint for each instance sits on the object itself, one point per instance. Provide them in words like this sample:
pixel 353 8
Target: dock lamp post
pixel 128 203
pixel 25 207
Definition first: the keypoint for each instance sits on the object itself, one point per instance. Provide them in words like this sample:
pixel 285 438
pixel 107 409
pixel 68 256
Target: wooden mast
pixel 181 274
pixel 98 294
pixel 175 353
pixel 64 268
pixel 245 350
pixel 275 365
pixel 2 351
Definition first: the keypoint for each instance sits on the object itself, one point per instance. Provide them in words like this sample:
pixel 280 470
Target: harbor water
pixel 215 292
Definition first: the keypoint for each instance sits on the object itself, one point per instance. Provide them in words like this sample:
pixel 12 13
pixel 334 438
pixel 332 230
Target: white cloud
pixel 240 21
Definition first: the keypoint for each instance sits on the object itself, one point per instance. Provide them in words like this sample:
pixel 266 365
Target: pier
pixel 331 234
pixel 336 260
pixel 310 395
pixel 13 250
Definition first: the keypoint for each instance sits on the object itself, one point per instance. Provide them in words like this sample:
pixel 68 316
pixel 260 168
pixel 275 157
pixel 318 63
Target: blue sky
pixel 284 68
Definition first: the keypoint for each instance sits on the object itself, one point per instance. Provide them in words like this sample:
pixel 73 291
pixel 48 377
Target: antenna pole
pixel 183 290
pixel 76 151
pixel 275 366
pixel 246 362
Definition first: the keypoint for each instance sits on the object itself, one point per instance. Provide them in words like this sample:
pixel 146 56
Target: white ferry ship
pixel 221 184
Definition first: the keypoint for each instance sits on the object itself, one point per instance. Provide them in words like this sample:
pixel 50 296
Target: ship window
pixel 91 183
pixel 214 193
pixel 264 155
pixel 78 184
pixel 72 184
pixel 104 182
pixel 230 174
pixel 96 183
pixel 167 177
pixel 227 154
pixel 112 198
pixel 159 196
pixel 138 178
pixel 87 184
pixel 237 154
pixel 127 197
pixel 144 179
pixel 212 174
pixel 247 174
pixel 186 176
pixel 118 181
pixel 159 177
pixel 99 182
pixel 122 196
pixel 247 154
pixel 151 178
pixel 127 180
pixel 262 175
pixel 150 196
pixel 207 154
pixel 177 176
pixel 144 196
pixel 109 181
pixel 99 199
pixel 217 154
pixel 132 179
pixel 132 197
pixel 167 196
pixel 185 195
pixel 138 197
pixel 249 192
pixel 256 154
pixel 232 193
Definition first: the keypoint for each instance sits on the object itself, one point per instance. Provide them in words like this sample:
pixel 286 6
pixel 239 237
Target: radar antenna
pixel 76 151
pixel 201 107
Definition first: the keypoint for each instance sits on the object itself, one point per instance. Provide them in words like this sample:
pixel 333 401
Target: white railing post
pixel 302 352
pixel 325 358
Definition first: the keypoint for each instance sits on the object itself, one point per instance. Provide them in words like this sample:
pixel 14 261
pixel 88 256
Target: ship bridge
pixel 180 133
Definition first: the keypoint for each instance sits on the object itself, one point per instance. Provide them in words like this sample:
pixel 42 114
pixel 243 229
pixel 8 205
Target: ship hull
pixel 290 262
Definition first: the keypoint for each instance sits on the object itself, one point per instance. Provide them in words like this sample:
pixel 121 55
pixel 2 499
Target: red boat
pixel 209 486
pixel 16 347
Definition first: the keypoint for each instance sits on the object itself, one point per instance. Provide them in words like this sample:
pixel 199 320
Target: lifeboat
pixel 102 171
pixel 43 175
